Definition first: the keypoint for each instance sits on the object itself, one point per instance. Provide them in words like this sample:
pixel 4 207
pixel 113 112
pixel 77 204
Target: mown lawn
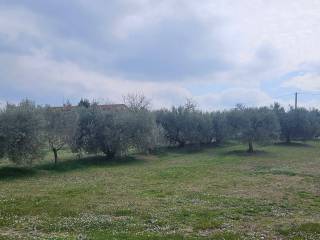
pixel 213 193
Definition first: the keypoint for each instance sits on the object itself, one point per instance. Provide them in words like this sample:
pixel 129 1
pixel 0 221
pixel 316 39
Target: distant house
pixel 105 107
pixel 118 107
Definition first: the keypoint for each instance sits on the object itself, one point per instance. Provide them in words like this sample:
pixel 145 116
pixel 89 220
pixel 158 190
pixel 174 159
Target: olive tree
pixel 254 125
pixel 87 126
pixel 2 146
pixel 113 136
pixel 220 126
pixel 205 130
pixel 144 133
pixel 314 124
pixel 186 125
pixel 178 123
pixel 21 132
pixel 59 128
pixel 169 121
pixel 303 124
pixel 137 102
pixel 113 132
pixel 2 136
pixel 298 124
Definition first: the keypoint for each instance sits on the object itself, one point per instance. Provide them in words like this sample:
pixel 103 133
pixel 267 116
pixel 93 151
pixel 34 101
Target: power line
pixel 313 93
pixel 283 95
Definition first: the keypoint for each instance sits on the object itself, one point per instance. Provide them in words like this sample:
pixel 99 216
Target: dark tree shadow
pixel 187 149
pixel 294 144
pixel 16 172
pixel 245 153
pixel 165 151
pixel 83 163
pixel 11 173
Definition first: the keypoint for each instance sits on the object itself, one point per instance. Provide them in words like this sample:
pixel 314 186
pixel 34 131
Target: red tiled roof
pixel 113 107
pixel 103 107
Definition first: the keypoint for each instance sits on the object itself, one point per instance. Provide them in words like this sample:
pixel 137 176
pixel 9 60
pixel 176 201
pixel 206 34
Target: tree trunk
pixel 288 140
pixel 111 155
pixel 250 150
pixel 218 141
pixel 181 144
pixel 55 153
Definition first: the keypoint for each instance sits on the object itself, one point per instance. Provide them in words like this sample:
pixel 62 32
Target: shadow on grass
pixel 99 161
pixel 245 153
pixel 16 172
pixel 187 149
pixel 294 144
pixel 11 173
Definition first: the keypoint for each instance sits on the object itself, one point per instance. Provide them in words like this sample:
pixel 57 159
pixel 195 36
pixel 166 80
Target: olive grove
pixel 28 131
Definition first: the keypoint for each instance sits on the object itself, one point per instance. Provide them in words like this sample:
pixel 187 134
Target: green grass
pixel 212 193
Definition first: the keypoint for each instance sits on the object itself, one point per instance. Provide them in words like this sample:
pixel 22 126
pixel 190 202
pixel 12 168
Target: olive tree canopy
pixel 21 131
pixel 254 125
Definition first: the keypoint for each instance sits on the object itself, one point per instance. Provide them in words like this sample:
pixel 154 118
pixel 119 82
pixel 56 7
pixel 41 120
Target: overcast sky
pixel 218 52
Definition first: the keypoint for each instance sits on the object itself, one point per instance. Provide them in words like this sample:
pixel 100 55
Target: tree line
pixel 27 130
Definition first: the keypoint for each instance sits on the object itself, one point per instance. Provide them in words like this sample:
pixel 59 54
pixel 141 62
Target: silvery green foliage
pixel 305 123
pixel 186 125
pixel 177 123
pixel 2 137
pixel 254 125
pixel 298 124
pixel 59 126
pixel 2 146
pixel 88 126
pixel 21 129
pixel 143 130
pixel 114 132
pixel 221 128
pixel 137 102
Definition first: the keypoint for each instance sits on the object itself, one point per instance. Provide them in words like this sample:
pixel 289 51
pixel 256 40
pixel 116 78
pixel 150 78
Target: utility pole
pixel 296 101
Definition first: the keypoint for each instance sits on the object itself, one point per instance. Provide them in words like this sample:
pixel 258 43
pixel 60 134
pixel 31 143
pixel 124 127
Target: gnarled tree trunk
pixel 288 139
pixel 250 150
pixel 55 153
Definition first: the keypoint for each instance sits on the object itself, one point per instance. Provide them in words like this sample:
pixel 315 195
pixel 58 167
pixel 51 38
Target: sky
pixel 216 52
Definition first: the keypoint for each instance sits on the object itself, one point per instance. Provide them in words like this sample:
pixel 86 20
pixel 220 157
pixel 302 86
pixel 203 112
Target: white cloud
pixel 306 82
pixel 18 21
pixel 288 28
pixel 257 40
pixel 229 98
pixel 40 75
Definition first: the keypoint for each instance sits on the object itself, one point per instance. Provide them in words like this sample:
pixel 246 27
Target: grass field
pixel 214 193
